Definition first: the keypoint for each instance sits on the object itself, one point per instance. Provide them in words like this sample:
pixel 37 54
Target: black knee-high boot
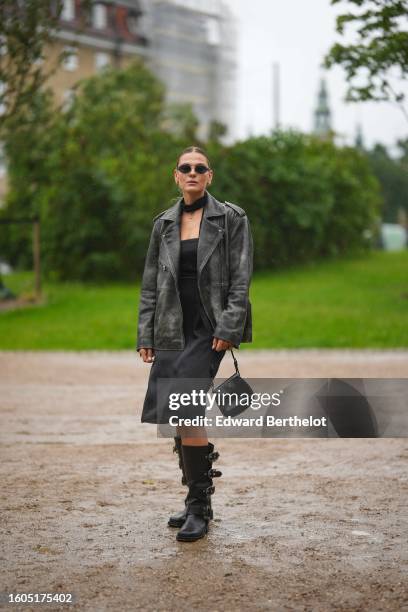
pixel 199 473
pixel 177 520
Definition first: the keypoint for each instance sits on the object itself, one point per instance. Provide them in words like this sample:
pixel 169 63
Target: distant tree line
pixel 392 174
pixel 97 172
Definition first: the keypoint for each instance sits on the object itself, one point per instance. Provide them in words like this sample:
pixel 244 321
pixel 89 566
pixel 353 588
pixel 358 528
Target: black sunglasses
pixel 186 168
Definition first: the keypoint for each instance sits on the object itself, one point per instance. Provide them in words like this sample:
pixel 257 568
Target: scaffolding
pixel 193 52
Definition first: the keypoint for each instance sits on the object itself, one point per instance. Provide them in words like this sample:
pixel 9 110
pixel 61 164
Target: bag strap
pixel 235 362
pixel 236 369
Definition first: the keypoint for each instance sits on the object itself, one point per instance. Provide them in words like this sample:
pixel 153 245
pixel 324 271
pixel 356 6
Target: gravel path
pixel 300 524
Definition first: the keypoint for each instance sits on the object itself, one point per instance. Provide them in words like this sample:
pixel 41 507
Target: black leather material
pixel 233 393
pixel 177 449
pixel 177 519
pixel 223 277
pixel 199 471
pixel 194 528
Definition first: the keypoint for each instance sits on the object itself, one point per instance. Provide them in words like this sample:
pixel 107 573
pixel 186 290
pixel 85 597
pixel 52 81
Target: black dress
pixel 196 361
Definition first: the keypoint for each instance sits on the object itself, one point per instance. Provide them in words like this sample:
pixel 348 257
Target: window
pixel 213 31
pixel 133 23
pixel 68 10
pixel 101 60
pixel 71 60
pixel 99 16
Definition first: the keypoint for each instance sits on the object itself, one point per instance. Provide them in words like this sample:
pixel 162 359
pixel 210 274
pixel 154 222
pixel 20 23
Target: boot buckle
pixel 209 490
pixel 214 473
pixel 213 456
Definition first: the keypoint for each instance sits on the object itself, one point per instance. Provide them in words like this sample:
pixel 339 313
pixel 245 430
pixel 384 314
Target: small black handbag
pixel 234 393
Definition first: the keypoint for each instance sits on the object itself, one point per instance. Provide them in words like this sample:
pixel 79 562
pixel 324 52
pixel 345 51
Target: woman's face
pixel 193 183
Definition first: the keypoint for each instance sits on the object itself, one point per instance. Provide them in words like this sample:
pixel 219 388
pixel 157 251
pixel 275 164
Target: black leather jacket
pixel 224 294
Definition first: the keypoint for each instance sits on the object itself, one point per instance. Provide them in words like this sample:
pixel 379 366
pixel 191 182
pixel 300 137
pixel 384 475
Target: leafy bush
pixel 305 197
pixel 97 174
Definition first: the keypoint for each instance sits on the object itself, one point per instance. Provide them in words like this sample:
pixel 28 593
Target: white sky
pixel 297 34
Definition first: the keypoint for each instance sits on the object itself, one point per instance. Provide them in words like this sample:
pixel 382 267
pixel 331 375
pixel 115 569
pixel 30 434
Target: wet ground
pixel 300 524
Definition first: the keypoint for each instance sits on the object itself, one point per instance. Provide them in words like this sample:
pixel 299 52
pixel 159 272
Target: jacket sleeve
pixel 231 324
pixel 147 303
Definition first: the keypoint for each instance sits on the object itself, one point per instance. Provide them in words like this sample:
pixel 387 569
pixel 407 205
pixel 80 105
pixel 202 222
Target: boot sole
pixel 171 523
pixel 191 539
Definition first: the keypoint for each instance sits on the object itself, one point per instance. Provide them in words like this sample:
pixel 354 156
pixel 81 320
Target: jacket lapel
pixel 210 233
pixel 171 237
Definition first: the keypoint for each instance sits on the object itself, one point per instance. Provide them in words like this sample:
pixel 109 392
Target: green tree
pixel 380 48
pixel 26 29
pixel 102 170
pixel 305 197
pixel 181 121
pixel 393 177
pixel 27 143
pixel 217 131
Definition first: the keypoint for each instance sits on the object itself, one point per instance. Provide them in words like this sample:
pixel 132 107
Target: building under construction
pixel 189 45
pixel 193 53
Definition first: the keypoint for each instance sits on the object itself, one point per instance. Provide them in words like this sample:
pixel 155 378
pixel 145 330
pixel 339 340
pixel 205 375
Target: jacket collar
pixel 213 208
pixel 210 233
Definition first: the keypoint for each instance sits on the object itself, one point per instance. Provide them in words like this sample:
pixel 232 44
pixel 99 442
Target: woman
pixel 194 305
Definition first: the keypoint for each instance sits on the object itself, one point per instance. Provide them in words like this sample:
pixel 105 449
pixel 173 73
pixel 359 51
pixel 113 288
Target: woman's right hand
pixel 147 354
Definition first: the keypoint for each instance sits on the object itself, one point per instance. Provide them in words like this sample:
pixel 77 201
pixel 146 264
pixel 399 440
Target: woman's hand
pixel 221 345
pixel 147 354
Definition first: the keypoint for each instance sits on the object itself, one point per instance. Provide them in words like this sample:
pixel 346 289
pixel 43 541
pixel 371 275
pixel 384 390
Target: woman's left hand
pixel 221 345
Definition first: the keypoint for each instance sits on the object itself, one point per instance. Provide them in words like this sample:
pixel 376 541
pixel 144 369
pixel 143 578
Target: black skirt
pixel 197 362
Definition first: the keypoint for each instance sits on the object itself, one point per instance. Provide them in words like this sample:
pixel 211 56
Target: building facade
pixel 189 45
pixel 107 34
pixel 193 51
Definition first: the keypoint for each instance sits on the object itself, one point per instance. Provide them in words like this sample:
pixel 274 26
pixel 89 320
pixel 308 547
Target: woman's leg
pixel 193 436
pixel 198 456
pixel 186 436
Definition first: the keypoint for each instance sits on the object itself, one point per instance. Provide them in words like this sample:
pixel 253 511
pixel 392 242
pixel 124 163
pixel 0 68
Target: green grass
pixel 357 303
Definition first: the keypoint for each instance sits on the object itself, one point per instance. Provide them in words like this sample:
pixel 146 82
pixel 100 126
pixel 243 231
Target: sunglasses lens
pixel 186 168
pixel 201 169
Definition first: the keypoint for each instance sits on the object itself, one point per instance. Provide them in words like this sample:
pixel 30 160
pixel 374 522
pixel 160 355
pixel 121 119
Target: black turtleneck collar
pixel 195 205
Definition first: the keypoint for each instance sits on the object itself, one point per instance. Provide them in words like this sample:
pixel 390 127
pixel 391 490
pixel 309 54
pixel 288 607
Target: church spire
pixel 322 115
pixel 359 139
